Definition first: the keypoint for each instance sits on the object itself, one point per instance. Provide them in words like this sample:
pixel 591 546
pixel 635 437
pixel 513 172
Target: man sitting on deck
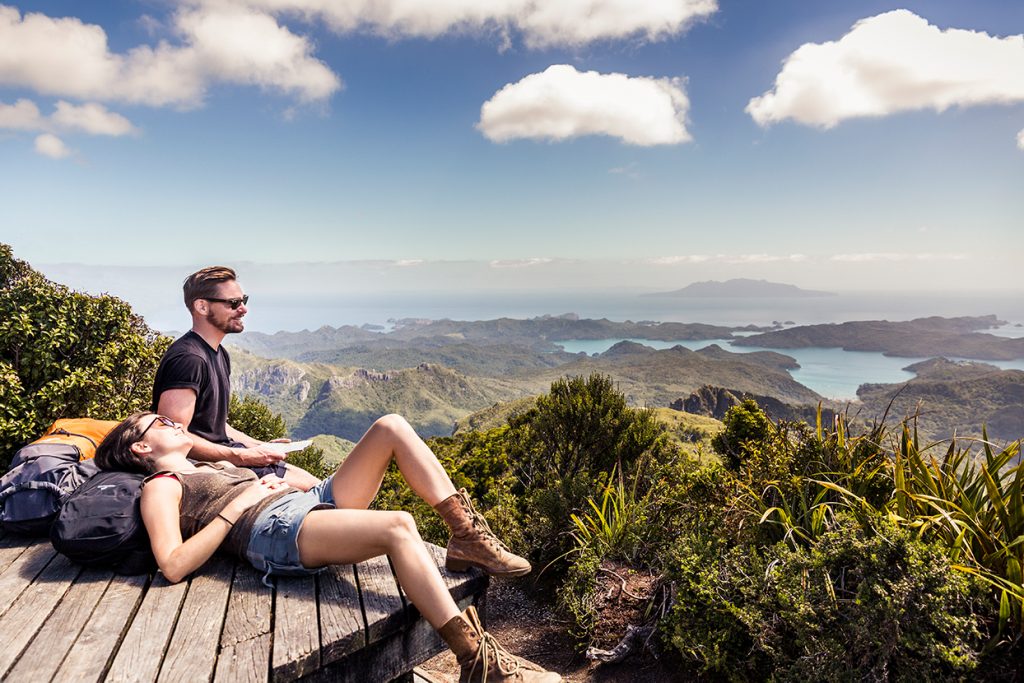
pixel 193 382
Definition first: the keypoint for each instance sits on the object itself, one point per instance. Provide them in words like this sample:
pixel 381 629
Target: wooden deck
pixel 61 622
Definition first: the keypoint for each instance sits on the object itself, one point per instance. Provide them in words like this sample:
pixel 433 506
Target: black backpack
pixel 41 476
pixel 100 525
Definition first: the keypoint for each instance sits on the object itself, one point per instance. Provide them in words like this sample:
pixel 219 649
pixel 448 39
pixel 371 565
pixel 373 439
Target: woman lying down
pixel 193 509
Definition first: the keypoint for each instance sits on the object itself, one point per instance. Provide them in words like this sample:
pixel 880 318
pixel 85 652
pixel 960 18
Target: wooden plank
pixel 192 653
pixel 342 627
pixel 44 655
pixel 11 546
pixel 20 623
pixel 388 658
pixel 383 605
pixel 460 584
pixel 142 650
pixel 249 607
pixel 296 636
pixel 22 570
pixel 94 648
pixel 245 662
pixel 245 641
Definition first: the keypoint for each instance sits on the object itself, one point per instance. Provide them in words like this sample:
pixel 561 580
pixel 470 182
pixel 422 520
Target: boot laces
pixel 481 525
pixel 491 649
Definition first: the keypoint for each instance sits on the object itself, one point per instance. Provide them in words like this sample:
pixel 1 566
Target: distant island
pixel 743 288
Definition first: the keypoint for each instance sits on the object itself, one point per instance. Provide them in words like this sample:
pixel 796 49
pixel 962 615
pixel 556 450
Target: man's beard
pixel 229 325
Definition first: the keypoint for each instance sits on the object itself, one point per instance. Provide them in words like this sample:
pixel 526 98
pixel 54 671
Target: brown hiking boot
pixel 483 659
pixel 473 544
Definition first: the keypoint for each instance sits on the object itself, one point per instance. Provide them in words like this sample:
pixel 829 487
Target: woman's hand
pixel 266 486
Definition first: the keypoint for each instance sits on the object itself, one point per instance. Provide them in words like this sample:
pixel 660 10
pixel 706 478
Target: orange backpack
pixel 81 432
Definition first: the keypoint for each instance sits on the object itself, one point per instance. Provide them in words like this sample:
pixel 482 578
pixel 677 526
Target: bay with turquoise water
pixel 831 372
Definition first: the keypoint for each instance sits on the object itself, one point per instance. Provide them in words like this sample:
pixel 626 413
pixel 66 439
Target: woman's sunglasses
pixel 233 303
pixel 165 421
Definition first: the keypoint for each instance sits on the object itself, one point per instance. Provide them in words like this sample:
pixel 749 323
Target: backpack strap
pixel 47 485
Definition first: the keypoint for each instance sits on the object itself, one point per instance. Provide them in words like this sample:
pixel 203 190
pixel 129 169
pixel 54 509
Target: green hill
pixel 950 396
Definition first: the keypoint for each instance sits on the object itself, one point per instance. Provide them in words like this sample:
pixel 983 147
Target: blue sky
pixel 622 145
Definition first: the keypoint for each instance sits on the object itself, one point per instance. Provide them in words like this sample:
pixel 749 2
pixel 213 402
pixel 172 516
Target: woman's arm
pixel 161 499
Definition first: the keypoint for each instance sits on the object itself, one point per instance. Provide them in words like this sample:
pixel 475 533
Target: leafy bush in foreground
pixel 861 604
pixel 67 354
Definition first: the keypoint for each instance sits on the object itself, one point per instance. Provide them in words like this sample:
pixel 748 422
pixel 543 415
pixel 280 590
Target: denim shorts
pixel 274 543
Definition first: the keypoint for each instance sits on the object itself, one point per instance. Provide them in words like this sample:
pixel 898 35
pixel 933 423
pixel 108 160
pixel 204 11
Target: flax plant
pixel 976 508
pixel 612 526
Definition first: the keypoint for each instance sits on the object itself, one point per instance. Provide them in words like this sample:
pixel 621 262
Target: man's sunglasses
pixel 233 303
pixel 165 421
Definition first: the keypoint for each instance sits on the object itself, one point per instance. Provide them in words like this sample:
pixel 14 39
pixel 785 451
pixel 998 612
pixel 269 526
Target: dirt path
pixel 528 628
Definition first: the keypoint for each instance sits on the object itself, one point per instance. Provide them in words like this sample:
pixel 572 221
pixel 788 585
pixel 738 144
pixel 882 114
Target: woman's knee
pixel 401 528
pixel 393 424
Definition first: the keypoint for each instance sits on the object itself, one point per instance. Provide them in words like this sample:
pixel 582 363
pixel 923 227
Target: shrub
pixel 255 418
pixel 577 593
pixel 746 425
pixel 861 604
pixel 67 354
pixel 565 448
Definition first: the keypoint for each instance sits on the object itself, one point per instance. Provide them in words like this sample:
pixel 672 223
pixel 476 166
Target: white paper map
pixel 289 447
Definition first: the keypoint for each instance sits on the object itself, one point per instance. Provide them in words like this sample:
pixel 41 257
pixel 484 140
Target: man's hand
pixel 280 441
pixel 257 456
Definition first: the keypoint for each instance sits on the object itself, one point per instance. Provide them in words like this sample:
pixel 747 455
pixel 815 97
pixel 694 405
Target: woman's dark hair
pixel 115 451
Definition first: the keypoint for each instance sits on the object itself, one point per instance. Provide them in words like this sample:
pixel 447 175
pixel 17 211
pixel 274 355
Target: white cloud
pixel 896 257
pixel 561 103
pixel 67 58
pixel 541 23
pixel 51 146
pixel 1020 139
pixel 519 263
pixel 22 115
pixel 676 260
pixel 888 63
pixel 91 118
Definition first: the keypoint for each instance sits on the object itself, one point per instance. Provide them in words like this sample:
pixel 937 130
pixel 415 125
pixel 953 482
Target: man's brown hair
pixel 202 284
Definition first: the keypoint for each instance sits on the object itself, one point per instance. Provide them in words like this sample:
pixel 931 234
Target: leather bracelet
pixel 230 523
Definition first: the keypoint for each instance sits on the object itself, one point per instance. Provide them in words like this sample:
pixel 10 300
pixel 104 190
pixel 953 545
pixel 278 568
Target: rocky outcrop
pixel 269 380
pixel 715 402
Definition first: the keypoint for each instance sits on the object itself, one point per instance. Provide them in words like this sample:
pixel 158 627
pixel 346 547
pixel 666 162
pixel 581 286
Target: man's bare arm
pixel 180 406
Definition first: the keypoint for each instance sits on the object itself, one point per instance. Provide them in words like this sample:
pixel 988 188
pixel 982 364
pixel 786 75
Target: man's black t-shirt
pixel 190 363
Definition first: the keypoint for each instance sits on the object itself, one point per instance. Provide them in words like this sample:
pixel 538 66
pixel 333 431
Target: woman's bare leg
pixel 390 438
pixel 351 536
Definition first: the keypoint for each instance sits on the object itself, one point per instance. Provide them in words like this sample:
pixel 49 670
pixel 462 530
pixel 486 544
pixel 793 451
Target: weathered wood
pixel 21 622
pixel 245 662
pixel 217 627
pixel 94 648
pixel 142 651
pixel 21 572
pixel 460 584
pixel 11 546
pixel 245 640
pixel 383 605
pixel 192 653
pixel 387 658
pixel 44 655
pixel 296 636
pixel 342 628
pixel 249 607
